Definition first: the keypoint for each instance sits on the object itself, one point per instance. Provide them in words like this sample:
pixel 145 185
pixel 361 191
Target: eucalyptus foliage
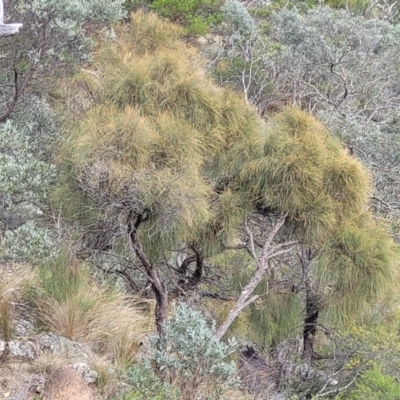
pixel 332 58
pixel 236 17
pixel 54 40
pixel 29 242
pixel 145 384
pixel 191 362
pixel 244 61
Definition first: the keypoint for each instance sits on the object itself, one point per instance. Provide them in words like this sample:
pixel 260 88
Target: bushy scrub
pixel 26 179
pixel 375 385
pixel 188 357
pixel 147 385
pixel 195 15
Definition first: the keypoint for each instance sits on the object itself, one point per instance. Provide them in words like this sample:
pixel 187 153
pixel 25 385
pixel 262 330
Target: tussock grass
pixel 5 320
pixel 10 285
pixel 68 302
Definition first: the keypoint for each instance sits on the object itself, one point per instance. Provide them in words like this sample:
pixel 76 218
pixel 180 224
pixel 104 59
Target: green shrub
pixel 196 15
pixel 147 385
pixel 375 385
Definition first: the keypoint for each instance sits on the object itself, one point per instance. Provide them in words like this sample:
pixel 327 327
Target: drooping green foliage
pixel 274 319
pixel 356 262
pixel 160 132
pixel 301 170
pixel 192 163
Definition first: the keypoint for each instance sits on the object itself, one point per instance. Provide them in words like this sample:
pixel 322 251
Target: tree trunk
pixel 309 332
pixel 161 310
pixel 312 311
pixel 243 301
pixel 158 286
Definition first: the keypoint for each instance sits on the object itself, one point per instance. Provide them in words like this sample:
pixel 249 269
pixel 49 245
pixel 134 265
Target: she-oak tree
pixel 167 170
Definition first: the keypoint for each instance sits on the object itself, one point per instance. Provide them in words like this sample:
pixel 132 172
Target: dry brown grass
pixel 68 302
pixel 110 323
pixel 11 282
pixel 64 299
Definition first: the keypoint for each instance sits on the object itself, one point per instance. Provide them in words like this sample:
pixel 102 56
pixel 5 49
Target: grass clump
pixel 68 302
pixel 10 285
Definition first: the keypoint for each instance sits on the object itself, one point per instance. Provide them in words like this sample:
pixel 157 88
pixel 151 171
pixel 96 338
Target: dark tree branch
pixel 158 286
pixel 18 91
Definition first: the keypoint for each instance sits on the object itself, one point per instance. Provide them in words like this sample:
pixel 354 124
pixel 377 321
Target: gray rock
pixel 23 328
pixel 60 345
pixel 22 350
pixel 49 342
pixel 89 375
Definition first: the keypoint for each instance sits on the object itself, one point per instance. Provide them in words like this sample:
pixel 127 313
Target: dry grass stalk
pixel 110 323
pixel 10 286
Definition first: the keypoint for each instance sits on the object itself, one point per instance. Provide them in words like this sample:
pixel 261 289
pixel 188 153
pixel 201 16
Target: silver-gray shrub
pixel 26 178
pixel 236 17
pixel 191 357
pixel 331 58
pixel 55 39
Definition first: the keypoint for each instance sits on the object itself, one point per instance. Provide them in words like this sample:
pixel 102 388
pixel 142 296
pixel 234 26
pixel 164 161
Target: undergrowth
pixel 67 301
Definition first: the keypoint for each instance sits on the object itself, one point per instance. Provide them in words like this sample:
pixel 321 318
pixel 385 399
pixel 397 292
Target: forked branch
pixel 246 296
